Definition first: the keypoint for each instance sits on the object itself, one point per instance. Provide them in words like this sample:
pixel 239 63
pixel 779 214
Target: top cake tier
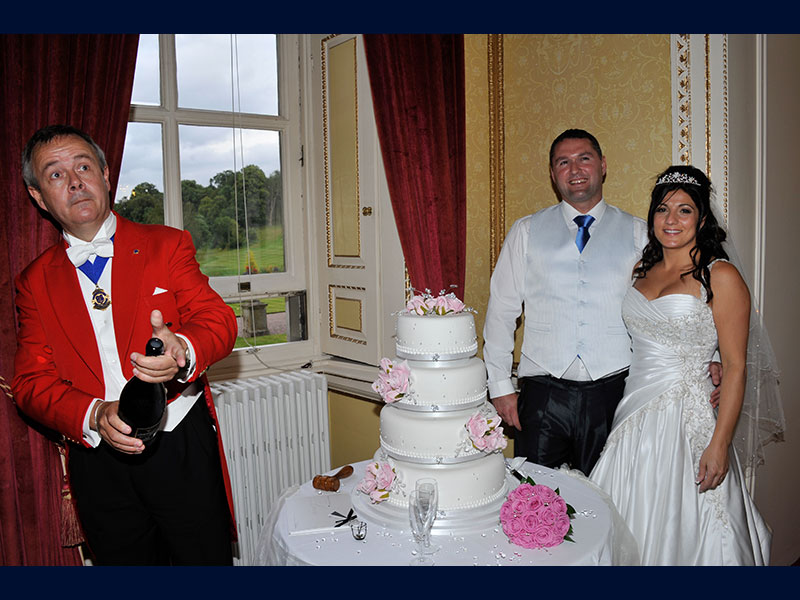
pixel 436 337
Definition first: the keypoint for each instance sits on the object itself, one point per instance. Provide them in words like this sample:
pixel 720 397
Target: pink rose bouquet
pixel 378 481
pixel 485 432
pixel 393 380
pixel 536 516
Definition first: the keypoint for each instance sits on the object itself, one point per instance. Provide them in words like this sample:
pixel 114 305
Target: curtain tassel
pixel 71 532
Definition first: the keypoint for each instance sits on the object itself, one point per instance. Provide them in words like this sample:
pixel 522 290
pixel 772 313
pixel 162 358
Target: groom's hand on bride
pixel 506 407
pixel 715 370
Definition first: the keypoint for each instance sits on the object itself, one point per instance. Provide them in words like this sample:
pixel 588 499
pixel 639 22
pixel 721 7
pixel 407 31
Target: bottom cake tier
pixel 470 493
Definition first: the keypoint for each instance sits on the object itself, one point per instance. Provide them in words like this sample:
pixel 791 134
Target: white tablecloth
pixel 600 536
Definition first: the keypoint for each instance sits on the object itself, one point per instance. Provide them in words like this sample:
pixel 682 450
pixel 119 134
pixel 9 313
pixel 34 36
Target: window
pixel 213 146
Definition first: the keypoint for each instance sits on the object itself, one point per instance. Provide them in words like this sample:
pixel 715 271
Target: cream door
pixel 360 262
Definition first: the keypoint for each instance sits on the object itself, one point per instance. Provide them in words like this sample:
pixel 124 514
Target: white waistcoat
pixel 573 300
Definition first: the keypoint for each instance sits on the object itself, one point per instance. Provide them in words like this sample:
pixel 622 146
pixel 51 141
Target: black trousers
pixel 166 506
pixel 566 421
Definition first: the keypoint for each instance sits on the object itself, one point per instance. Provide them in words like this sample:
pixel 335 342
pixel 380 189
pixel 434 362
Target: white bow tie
pixel 79 253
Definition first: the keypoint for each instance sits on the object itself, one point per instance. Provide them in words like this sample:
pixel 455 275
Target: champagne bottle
pixel 141 403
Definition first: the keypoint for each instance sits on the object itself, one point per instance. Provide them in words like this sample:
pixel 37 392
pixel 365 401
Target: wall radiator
pixel 275 432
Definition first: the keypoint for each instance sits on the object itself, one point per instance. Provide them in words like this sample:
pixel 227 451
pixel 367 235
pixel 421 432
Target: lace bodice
pixel 680 326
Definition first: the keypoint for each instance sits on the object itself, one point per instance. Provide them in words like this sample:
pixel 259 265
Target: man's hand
pixel 715 370
pixel 160 369
pixel 506 407
pixel 114 431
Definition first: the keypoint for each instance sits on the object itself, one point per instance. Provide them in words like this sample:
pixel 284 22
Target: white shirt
pixel 507 297
pixel 103 324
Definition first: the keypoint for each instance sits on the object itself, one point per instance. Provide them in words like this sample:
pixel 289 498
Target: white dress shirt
pixel 507 298
pixel 103 324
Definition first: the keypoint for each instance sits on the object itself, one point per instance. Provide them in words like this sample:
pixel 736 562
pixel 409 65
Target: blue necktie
pixel 583 222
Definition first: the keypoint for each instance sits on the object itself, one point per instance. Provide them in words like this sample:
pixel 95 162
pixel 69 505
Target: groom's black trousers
pixel 566 421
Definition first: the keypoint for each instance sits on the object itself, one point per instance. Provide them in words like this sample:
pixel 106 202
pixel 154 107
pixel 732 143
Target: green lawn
pixel 267 253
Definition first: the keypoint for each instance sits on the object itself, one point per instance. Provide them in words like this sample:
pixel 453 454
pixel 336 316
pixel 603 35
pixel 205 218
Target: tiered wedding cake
pixel 436 421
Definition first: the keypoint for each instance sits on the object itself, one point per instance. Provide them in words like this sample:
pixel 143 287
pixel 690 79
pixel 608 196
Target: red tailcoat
pixel 57 365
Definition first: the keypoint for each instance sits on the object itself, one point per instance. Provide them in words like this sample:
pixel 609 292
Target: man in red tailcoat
pixel 86 308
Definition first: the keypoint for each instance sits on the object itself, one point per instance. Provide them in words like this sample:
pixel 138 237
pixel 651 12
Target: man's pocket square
pixel 158 290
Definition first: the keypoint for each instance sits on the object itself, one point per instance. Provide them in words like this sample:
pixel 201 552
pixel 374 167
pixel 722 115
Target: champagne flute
pixel 429 488
pixel 420 517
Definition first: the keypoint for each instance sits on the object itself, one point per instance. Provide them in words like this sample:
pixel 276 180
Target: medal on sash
pixel 101 300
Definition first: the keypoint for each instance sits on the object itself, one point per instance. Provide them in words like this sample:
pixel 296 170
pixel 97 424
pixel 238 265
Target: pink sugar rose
pixel 378 496
pixel 440 305
pixel 453 304
pixel 379 385
pixel 397 378
pixel 367 485
pixel 392 382
pixel 477 425
pixel 384 476
pixel 496 440
pixel 417 305
pixel 390 396
pixel 378 481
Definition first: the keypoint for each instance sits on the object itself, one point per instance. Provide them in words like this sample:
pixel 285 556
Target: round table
pixel 600 536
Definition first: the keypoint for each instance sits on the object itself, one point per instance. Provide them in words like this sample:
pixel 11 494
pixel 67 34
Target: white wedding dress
pixel 661 427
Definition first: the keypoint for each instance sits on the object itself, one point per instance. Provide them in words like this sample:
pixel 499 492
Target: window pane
pixel 205 63
pixel 146 80
pixel 236 222
pixel 270 320
pixel 140 195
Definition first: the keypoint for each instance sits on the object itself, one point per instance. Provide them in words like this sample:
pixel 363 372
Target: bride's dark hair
pixel 710 235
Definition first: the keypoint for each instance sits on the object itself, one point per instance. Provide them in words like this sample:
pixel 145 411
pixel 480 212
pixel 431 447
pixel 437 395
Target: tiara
pixel 676 177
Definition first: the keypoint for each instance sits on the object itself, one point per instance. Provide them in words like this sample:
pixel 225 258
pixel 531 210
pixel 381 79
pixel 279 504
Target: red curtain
pixel 85 81
pixel 417 86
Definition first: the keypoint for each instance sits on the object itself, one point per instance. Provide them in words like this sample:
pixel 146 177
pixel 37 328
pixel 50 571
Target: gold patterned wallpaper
pixel 615 86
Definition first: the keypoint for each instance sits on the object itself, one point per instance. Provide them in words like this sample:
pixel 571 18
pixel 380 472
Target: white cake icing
pixel 423 430
pixel 449 383
pixel 415 436
pixel 436 337
pixel 462 486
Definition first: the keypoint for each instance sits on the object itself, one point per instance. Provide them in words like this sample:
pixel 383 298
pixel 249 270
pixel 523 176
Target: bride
pixel 669 464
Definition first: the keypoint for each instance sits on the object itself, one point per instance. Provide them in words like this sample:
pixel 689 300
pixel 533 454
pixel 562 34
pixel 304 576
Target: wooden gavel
pixel 330 483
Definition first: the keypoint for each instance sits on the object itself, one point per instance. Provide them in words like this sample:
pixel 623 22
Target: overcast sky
pixel 204 81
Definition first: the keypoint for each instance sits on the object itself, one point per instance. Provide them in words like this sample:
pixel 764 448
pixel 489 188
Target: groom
pixel 569 266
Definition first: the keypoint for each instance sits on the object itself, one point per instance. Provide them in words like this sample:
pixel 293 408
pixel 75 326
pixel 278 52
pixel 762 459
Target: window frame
pixel 169 115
